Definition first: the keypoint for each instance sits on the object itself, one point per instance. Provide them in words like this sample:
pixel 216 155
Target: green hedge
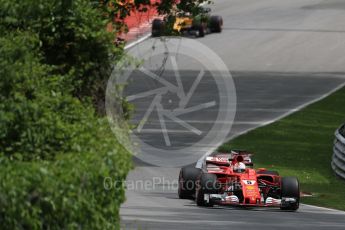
pixel 38 118
pixel 55 149
pixel 73 39
pixel 65 194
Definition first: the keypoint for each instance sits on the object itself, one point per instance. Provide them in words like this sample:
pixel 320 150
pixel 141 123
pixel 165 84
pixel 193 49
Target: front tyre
pixel 207 184
pixel 289 192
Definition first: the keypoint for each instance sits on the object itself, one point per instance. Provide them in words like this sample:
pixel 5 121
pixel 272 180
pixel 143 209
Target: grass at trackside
pixel 301 145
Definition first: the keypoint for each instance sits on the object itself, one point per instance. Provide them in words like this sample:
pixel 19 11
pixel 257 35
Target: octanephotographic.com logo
pixel 184 100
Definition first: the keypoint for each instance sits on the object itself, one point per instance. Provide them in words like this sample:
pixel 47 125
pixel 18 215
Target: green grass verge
pixel 301 145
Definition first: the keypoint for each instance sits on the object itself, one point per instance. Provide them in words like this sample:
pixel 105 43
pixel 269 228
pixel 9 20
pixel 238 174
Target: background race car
pixel 187 24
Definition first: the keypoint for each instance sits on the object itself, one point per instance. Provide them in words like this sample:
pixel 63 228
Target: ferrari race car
pixel 220 182
pixel 198 25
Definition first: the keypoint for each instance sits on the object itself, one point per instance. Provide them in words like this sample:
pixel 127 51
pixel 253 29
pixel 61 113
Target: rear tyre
pixel 186 186
pixel 158 26
pixel 207 184
pixel 290 189
pixel 216 24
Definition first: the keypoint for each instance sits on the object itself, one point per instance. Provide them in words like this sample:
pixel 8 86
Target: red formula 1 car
pixel 229 179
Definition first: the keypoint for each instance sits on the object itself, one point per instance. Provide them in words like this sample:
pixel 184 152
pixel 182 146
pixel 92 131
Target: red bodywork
pixel 252 187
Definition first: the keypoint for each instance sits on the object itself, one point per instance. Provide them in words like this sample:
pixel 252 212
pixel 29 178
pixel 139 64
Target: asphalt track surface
pixel 282 55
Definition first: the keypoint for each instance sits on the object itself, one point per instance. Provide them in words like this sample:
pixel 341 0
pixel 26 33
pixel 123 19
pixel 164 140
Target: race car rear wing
pixel 225 159
pixel 245 155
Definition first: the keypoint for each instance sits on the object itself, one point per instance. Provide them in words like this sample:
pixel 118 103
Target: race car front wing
pixel 220 199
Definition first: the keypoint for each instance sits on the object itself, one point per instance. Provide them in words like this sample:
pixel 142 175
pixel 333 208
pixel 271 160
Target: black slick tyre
pixel 290 189
pixel 157 28
pixel 186 183
pixel 216 24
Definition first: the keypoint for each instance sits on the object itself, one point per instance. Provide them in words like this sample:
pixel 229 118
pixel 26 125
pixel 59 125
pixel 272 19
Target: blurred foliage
pixel 64 194
pixel 38 117
pixel 72 38
pixel 54 150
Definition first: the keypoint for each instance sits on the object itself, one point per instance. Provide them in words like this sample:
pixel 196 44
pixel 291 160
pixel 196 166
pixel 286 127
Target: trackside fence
pixel 338 159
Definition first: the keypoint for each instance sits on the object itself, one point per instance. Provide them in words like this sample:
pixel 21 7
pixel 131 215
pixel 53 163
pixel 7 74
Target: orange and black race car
pixel 229 179
pixel 199 25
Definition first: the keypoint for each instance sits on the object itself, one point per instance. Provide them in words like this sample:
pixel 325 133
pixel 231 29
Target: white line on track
pixel 132 44
pixel 335 211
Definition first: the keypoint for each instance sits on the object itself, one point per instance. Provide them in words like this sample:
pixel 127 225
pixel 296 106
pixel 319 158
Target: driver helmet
pixel 239 167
